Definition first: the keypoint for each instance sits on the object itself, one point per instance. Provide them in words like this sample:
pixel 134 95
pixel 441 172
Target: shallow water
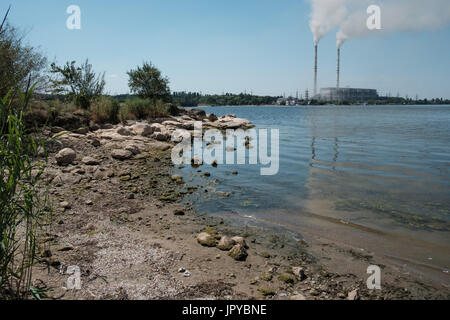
pixel 383 168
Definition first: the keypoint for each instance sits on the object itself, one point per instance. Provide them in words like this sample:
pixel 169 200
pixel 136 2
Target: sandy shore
pixel 119 218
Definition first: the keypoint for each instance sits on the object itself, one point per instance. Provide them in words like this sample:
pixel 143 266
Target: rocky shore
pixel 118 217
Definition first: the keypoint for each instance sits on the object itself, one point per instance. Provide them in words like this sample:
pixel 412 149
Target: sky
pixel 264 47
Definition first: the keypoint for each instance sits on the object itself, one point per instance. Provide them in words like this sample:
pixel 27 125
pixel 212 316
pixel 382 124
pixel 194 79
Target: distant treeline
pixel 400 101
pixel 228 99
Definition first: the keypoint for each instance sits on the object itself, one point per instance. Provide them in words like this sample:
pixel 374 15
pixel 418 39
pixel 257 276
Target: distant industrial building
pixel 348 94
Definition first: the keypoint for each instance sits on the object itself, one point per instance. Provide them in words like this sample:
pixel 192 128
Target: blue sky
pixel 215 46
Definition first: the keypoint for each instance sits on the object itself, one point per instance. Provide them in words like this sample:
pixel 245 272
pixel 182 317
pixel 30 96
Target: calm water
pixel 385 168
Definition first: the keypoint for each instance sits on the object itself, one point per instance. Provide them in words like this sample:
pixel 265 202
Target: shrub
pixel 138 108
pixel 105 109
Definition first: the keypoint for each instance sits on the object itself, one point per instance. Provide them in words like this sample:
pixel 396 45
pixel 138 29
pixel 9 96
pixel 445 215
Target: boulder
pixel 207 240
pixel 212 117
pixel 238 253
pixel 197 114
pixel 161 136
pixel 121 154
pixel 225 244
pixel 65 157
pixel 132 148
pixel 123 131
pixel 143 129
pixel 240 241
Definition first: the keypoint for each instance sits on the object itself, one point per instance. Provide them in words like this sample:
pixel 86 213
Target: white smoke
pixel 326 15
pixel 396 15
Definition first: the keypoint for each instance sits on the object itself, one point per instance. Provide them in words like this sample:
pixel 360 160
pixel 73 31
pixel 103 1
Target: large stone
pixel 207 240
pixel 123 131
pixel 240 241
pixel 132 148
pixel 197 114
pixel 161 136
pixel 238 253
pixel 225 244
pixel 65 156
pixel 121 154
pixel 143 129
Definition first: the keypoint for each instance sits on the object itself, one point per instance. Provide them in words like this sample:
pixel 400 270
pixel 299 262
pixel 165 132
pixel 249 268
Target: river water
pixel 381 169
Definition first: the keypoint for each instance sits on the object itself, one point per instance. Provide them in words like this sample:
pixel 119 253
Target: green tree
pixel 19 63
pixel 80 83
pixel 148 83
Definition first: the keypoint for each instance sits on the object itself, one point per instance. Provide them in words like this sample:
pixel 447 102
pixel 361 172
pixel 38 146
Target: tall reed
pixel 23 206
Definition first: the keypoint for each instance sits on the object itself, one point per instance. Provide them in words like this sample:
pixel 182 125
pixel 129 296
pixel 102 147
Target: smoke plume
pixel 396 15
pixel 326 15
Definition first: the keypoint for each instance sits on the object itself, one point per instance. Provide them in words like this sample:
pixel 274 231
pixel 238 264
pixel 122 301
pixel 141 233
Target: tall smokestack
pixel 315 69
pixel 338 70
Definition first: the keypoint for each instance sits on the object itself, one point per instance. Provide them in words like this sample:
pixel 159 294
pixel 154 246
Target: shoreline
pixel 119 219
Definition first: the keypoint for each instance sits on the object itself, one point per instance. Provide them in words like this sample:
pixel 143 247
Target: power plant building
pixel 348 94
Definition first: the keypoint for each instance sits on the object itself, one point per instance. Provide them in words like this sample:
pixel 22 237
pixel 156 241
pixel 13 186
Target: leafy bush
pixel 148 83
pixel 105 109
pixel 80 84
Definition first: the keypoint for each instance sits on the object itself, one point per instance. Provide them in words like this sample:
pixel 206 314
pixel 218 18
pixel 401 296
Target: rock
pixel 181 270
pixel 240 241
pixel 99 175
pixel 82 131
pixel 96 143
pixel 267 276
pixel 107 126
pixel 197 114
pixel 287 278
pixel 207 240
pixel 65 205
pixel 131 196
pixel 143 129
pixel 186 274
pixel 65 157
pixel 179 213
pixel 298 297
pixel 225 244
pixel 161 136
pixel 121 154
pixel 212 117
pixel 299 272
pixel 266 291
pixel 238 253
pixel 132 148
pixel 314 292
pixel 123 131
pixel 89 161
pixel 177 178
pixel 89 203
pixel 353 295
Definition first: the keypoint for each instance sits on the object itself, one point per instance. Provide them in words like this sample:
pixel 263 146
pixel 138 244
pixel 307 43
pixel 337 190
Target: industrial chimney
pixel 315 70
pixel 338 70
